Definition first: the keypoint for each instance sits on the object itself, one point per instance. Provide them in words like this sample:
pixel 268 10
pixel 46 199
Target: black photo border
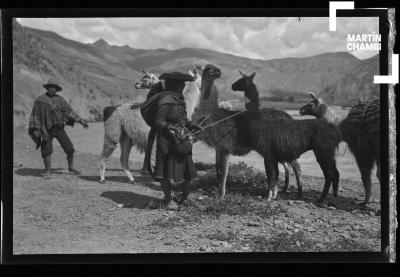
pixel 258 257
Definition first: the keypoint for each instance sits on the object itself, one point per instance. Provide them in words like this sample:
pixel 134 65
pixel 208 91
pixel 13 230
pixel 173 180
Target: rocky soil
pixel 77 214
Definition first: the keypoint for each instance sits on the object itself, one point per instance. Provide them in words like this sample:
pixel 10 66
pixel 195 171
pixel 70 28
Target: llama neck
pixel 330 116
pixel 251 93
pixel 206 105
pixel 191 94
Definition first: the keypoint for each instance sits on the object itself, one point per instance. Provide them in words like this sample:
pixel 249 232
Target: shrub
pixel 240 175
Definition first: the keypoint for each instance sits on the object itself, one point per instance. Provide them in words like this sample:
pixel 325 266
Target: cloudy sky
pixel 257 37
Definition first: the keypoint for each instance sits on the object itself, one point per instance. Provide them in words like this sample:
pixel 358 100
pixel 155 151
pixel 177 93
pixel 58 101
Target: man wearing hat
pixel 49 115
pixel 173 165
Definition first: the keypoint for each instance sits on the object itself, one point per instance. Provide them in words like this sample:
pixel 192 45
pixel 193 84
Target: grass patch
pixel 240 175
pixel 281 242
pixel 200 166
pixel 235 204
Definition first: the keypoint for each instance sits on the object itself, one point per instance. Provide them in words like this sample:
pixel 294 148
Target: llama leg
pixel 126 145
pixel 276 179
pixel 108 149
pixel 218 166
pixel 365 164
pixel 326 187
pixel 225 170
pixel 378 170
pixel 326 166
pixel 297 172
pixel 335 179
pixel 271 178
pixel 222 168
pixel 286 168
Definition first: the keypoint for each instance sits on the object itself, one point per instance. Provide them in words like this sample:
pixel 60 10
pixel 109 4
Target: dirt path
pixel 77 214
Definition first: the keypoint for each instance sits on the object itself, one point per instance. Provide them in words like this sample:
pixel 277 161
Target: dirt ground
pixel 76 214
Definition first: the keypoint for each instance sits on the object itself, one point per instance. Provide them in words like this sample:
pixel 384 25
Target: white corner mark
pixel 390 79
pixel 333 6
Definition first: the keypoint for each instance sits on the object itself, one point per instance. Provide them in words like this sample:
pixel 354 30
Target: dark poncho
pixel 170 165
pixel 48 112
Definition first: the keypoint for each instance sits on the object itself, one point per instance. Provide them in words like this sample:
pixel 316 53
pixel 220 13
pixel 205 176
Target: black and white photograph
pixel 199 134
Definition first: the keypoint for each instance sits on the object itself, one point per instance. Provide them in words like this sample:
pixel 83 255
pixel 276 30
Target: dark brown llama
pixel 283 140
pixel 250 90
pixel 360 130
pixel 226 137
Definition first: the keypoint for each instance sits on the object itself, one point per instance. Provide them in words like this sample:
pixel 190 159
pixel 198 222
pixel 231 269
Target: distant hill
pixel 357 84
pixel 91 78
pixel 98 74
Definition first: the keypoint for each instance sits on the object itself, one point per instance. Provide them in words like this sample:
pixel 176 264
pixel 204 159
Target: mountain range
pixel 98 74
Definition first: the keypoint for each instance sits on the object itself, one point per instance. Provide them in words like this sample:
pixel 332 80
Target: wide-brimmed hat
pixel 53 82
pixel 176 76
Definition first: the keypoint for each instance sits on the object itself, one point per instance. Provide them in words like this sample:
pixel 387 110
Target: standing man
pixel 49 115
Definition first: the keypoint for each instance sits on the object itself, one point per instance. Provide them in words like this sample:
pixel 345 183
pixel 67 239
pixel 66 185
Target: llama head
pixel 210 73
pixel 198 68
pixel 316 107
pixel 196 72
pixel 147 80
pixel 244 83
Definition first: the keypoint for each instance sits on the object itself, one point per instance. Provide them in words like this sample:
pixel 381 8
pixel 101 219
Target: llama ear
pixel 198 66
pixel 191 73
pixel 241 73
pixel 145 72
pixel 252 75
pixel 313 96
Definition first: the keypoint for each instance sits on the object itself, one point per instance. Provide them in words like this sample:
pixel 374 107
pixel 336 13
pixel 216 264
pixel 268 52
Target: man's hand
pixel 196 127
pixel 83 123
pixel 171 127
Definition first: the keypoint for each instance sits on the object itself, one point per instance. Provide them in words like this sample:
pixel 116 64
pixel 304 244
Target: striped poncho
pixel 48 112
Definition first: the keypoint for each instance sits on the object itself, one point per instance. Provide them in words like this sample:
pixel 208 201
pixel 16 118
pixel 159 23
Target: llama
pixel 147 80
pixel 227 138
pixel 283 140
pixel 125 124
pixel 360 130
pixel 250 90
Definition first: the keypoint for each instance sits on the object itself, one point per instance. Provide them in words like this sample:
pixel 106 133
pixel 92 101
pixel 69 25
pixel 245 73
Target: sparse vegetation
pixel 234 204
pixel 240 175
pixel 204 166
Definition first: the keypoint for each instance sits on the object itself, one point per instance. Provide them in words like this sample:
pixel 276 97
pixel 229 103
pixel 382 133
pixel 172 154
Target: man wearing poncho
pixel 49 115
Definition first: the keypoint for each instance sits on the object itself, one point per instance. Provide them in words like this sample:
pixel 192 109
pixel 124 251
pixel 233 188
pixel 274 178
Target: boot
pixel 47 166
pixel 187 199
pixel 70 159
pixel 168 203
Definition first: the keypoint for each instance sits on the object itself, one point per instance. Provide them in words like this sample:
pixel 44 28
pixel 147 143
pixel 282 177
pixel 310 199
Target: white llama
pixel 126 126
